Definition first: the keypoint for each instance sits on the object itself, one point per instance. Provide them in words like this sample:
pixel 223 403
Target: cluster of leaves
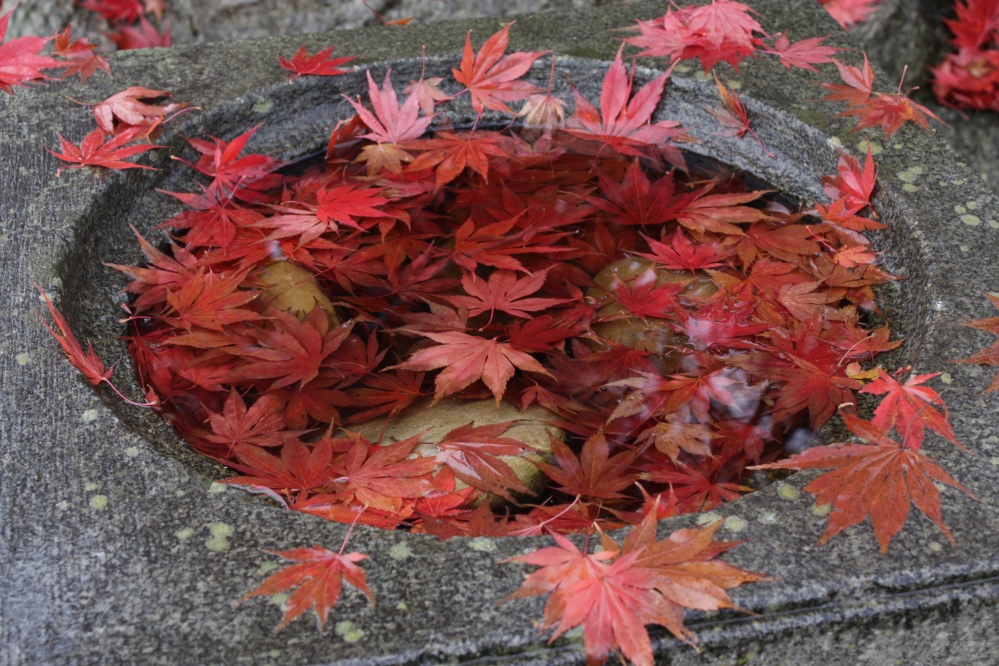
pixel 127 23
pixel 676 324
pixel 969 78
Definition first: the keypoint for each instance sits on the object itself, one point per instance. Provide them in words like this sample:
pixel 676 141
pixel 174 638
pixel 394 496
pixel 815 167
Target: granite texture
pixel 116 545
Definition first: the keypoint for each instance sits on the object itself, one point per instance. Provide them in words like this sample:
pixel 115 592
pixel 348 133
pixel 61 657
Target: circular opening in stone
pixel 550 333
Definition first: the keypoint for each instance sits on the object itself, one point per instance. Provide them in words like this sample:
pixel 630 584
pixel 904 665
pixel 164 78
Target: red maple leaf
pixel 680 253
pixel 88 363
pixel 384 394
pixel 146 36
pixel 852 185
pixel 491 77
pixel 614 592
pixel 97 149
pixel 623 121
pixel 593 473
pixel 466 358
pixel 123 11
pixel 259 425
pixel 475 455
pixel 211 301
pixel 734 116
pixel 19 59
pixel 127 109
pixel 908 408
pixel 989 355
pixel 318 64
pixel 636 201
pixel 804 53
pixel 876 480
pixel 81 55
pixel 319 578
pixel 859 84
pixel 298 467
pixel 382 476
pixel 848 13
pixel 504 292
pixel 891 111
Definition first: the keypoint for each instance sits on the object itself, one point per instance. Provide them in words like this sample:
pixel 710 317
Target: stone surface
pixel 117 547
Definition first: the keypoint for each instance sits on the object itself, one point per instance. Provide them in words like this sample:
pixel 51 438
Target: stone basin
pixel 117 544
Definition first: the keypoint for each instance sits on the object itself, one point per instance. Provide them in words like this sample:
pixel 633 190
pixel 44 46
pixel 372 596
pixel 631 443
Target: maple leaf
pixel 450 153
pixel 98 149
pixel 876 480
pixel 123 11
pixel 623 121
pixel 614 592
pixel 720 212
pixel 490 76
pixel 504 292
pixel 989 355
pixel 908 408
pixel 848 13
pixel 734 116
pixel 384 394
pixel 636 201
pixel 81 55
pixel 390 125
pixel 298 467
pixel 211 301
pixel 318 64
pixel 319 577
pixel 803 54
pixel 475 455
pixel 382 476
pixel 230 172
pixel 161 273
pixel 680 253
pixel 259 425
pixel 674 434
pixel 859 84
pixel 88 363
pixel 466 358
pixel 644 296
pixel 19 59
pixel 593 473
pixel 891 111
pixel 126 109
pixel 292 351
pixel 345 203
pixel 146 36
pixel 428 92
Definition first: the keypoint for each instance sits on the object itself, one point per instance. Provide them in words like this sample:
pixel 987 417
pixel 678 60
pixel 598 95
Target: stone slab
pixel 117 545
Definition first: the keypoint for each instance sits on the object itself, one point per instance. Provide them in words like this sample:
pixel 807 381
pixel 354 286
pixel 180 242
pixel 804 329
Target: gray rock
pixel 116 546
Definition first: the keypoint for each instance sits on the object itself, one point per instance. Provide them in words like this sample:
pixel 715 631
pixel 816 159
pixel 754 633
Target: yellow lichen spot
pixel 348 631
pixel 994 460
pixel 98 502
pixel 708 518
pixel 184 534
pixel 834 142
pixel 935 546
pixel 217 488
pixel 265 567
pixel 909 175
pixel 963 248
pixel 63 505
pixel 994 224
pixel 220 533
pixel 971 220
pixel 736 523
pixel 960 210
pixel 701 75
pixel 959 181
pixel 90 486
pixel 278 599
pixel 90 415
pixel 132 451
pixel 821 509
pixel 23 358
pixel 972 205
pixel 483 545
pixel 735 85
pixel 402 606
pixel 179 493
pixel 876 148
pixel 683 69
pixel 787 491
pixel 400 551
pixel 946 378
pixel 909 187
